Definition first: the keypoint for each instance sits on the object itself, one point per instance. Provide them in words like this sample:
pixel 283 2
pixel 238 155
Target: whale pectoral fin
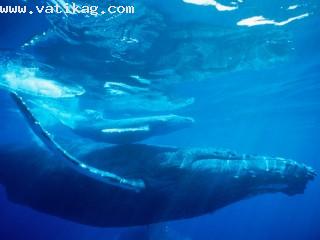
pixel 92 172
pixel 139 129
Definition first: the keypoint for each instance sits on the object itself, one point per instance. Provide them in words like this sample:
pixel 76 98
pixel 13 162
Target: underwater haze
pixel 246 74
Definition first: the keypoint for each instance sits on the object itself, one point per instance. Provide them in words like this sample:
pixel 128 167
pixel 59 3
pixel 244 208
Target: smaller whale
pixel 131 130
pixel 93 125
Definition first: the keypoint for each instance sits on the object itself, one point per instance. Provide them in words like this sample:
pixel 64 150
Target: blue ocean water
pixel 250 89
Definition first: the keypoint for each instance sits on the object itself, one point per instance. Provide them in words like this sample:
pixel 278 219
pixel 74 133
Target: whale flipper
pixel 101 175
pixel 140 129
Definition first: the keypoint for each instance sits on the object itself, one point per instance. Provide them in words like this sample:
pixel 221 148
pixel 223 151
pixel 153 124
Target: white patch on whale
pixel 124 130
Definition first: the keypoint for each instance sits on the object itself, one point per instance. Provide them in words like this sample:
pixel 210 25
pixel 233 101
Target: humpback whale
pixel 168 183
pixel 129 130
pixel 135 184
pixel 179 183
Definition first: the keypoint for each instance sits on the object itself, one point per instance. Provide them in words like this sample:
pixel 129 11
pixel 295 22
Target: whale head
pixel 170 123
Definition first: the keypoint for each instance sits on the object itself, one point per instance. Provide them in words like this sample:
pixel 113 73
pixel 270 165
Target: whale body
pixel 179 183
pixel 131 130
pixel 168 183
